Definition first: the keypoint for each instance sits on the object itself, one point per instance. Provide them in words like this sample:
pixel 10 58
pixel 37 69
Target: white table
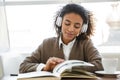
pixel 8 77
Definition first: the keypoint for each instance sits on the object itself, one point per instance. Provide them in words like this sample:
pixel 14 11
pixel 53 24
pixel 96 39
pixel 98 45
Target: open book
pixel 60 70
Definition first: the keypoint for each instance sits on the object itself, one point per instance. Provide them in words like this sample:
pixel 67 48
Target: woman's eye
pixel 77 26
pixel 67 24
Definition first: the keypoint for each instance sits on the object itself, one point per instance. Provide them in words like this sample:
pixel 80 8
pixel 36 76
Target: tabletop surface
pixel 99 78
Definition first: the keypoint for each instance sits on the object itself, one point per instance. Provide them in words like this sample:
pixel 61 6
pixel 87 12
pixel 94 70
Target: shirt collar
pixel 61 42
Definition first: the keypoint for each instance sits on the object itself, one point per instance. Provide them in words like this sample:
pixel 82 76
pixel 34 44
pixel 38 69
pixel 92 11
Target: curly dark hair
pixel 84 13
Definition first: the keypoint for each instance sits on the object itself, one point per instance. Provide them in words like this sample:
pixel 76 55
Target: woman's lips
pixel 69 34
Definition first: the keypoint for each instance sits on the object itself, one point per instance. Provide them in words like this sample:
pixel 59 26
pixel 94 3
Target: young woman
pixel 74 27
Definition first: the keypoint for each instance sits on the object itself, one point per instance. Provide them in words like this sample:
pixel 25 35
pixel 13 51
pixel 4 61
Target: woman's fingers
pixel 52 62
pixel 55 60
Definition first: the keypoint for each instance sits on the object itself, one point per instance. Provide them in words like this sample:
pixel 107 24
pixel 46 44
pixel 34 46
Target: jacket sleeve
pixel 40 55
pixel 31 62
pixel 92 55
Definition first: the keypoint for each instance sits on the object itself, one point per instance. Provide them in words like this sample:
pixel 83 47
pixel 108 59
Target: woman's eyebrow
pixel 67 20
pixel 75 23
pixel 78 24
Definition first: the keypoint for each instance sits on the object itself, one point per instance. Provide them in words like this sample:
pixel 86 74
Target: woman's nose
pixel 71 28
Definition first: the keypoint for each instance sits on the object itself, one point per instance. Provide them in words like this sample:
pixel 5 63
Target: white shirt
pixel 66 48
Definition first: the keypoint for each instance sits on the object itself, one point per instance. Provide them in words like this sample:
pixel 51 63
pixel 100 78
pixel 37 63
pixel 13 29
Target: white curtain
pixel 4 37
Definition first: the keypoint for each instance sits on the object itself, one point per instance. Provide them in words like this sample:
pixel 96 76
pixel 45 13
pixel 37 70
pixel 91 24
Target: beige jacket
pixel 84 50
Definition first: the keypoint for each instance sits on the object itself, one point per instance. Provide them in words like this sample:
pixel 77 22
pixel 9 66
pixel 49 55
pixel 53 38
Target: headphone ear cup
pixel 59 21
pixel 84 28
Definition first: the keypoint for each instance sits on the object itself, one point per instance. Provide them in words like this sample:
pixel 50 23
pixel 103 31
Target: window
pixel 30 24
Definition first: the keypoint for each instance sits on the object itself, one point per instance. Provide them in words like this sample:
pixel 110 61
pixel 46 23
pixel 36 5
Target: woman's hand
pixel 51 63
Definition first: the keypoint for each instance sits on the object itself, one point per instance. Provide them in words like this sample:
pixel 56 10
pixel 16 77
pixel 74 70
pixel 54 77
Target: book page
pixel 36 74
pixel 41 78
pixel 68 64
pixel 78 73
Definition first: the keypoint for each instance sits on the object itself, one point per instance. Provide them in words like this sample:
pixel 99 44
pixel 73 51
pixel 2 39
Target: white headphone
pixel 59 23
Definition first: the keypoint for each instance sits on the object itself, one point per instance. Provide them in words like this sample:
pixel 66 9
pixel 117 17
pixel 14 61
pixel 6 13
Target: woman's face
pixel 71 26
